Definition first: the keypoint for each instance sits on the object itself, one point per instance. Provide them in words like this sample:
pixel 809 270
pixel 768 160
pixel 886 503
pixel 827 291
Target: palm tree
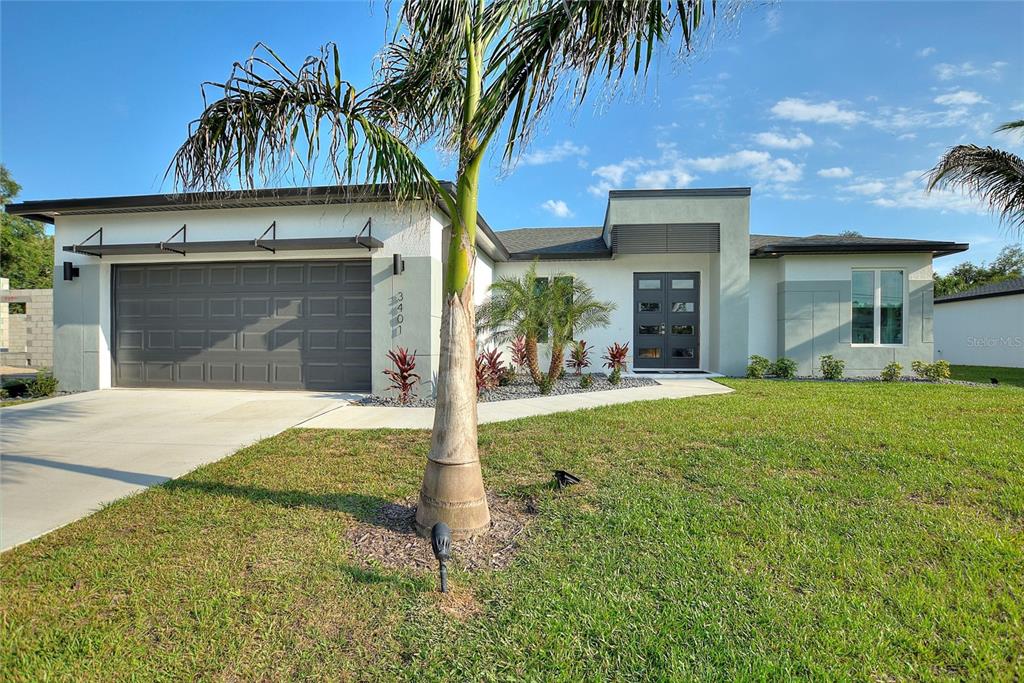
pixel 990 174
pixel 517 307
pixel 456 72
pixel 572 310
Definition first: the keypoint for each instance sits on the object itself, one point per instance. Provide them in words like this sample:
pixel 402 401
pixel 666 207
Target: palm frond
pixel 266 116
pixel 554 45
pixel 991 175
pixel 1011 125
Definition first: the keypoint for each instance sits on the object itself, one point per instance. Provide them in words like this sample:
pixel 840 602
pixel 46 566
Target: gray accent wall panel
pixel 815 319
pixel 662 238
pixel 246 325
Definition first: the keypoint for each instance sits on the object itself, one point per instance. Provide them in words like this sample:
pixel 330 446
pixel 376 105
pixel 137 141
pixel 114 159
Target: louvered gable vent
pixel 673 238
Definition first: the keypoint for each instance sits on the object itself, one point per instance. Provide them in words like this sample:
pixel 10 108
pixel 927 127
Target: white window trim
pixel 877 321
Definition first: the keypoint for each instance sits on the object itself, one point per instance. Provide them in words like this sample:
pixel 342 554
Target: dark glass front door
pixel 666 321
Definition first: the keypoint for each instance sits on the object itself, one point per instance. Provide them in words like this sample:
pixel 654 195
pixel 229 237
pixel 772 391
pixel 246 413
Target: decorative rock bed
pixel 523 387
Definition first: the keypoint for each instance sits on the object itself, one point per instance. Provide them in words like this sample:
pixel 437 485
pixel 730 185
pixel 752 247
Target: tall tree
pixel 1008 265
pixel 459 73
pixel 992 175
pixel 26 251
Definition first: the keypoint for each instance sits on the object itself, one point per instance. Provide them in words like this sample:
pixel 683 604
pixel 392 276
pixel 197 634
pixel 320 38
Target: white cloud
pixel 563 150
pixel 870 187
pixel 908 191
pixel 777 141
pixel 926 52
pixel 673 170
pixel 836 172
pixel 1017 107
pixel 557 207
pixel 796 109
pixel 907 136
pixel 959 98
pixel 947 72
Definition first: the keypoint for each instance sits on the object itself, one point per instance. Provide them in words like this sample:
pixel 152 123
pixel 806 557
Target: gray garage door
pixel 250 325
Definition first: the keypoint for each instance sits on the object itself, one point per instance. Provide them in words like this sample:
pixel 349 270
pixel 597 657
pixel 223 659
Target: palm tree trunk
pixel 453 488
pixel 532 362
pixel 557 360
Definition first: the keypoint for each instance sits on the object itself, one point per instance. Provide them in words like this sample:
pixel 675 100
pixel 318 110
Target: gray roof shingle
pixel 1004 288
pixel 586 242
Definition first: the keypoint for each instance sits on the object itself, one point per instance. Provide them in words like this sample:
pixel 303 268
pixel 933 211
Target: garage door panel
pixel 291 325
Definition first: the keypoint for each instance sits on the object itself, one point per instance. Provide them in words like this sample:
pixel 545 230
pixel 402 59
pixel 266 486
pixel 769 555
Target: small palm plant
pixel 572 309
pixel 579 357
pixel 517 308
pixel 403 379
pixel 986 173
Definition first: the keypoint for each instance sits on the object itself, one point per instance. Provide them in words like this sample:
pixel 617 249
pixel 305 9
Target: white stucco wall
pixel 405 309
pixel 764 305
pixel 986 331
pixel 613 281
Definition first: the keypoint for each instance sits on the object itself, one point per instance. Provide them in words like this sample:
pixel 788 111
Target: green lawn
pixel 984 373
pixel 853 531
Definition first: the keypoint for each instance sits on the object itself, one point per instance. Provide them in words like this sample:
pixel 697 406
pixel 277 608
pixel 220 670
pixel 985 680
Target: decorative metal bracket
pixel 78 247
pixel 368 229
pixel 184 239
pixel 273 235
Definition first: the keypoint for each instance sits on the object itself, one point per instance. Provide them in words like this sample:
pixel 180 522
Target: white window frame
pixel 877 305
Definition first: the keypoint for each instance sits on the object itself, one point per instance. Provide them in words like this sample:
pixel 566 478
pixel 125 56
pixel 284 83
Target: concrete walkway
pixel 371 417
pixel 62 458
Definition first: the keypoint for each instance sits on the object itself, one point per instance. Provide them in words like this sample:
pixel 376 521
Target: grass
pixel 813 530
pixel 984 373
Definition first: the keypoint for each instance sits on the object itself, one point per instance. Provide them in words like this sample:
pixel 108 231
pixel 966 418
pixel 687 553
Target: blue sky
pixel 830 111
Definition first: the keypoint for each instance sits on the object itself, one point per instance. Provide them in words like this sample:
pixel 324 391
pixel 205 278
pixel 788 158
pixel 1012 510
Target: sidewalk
pixel 374 417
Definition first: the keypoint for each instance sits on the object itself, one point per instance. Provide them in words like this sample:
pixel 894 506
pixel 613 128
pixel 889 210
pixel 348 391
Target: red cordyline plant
pixel 486 377
pixel 579 357
pixel 520 356
pixel 494 364
pixel 402 377
pixel 616 355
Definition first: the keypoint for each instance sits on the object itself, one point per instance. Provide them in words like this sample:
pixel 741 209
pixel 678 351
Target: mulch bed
pixel 390 539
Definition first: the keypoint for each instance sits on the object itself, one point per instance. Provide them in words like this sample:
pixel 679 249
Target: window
pixel 682 284
pixel 652 329
pixel 877 307
pixel 649 307
pixel 682 307
pixel 682 353
pixel 682 329
pixel 648 284
pixel 649 353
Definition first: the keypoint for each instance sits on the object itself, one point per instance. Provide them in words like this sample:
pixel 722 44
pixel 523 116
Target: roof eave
pixel 937 249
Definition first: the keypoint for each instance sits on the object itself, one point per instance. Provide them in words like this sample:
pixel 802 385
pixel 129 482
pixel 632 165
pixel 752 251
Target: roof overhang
pixel 936 249
pixel 47 211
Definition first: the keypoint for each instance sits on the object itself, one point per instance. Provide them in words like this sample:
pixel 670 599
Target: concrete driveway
pixel 62 458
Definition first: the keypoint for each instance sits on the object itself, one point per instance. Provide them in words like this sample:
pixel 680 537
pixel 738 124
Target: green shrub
pixel 3 394
pixel 586 381
pixel 507 376
pixel 16 388
pixel 759 365
pixel 784 368
pixel 615 377
pixel 44 384
pixel 546 384
pixel 831 367
pixel 892 372
pixel 932 372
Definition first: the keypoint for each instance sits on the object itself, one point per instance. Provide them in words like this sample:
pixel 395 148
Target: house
pixel 982 326
pixel 309 288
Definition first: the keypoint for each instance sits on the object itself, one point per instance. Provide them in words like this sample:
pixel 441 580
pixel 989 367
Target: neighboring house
pixel 982 326
pixel 303 288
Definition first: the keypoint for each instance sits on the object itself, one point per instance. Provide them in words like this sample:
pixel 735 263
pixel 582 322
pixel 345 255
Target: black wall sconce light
pixel 398 265
pixel 70 271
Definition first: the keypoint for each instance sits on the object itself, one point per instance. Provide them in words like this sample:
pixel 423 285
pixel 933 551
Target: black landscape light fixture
pixel 563 479
pixel 441 542
pixel 398 265
pixel 70 271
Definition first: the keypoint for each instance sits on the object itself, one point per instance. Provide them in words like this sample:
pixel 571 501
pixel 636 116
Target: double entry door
pixel 666 321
